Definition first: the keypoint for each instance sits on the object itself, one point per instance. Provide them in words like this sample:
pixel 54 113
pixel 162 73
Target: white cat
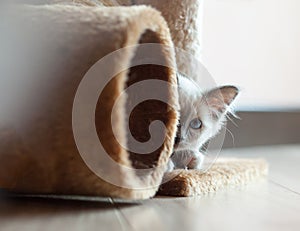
pixel 202 115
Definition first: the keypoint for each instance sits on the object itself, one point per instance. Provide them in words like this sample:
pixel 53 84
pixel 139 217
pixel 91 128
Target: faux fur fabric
pixel 184 20
pixel 224 173
pixel 55 45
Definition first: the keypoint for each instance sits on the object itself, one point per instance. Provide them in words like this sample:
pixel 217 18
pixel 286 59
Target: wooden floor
pixel 271 204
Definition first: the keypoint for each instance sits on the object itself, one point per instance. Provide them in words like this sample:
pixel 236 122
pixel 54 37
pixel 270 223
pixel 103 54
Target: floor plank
pixel 30 214
pixel 262 206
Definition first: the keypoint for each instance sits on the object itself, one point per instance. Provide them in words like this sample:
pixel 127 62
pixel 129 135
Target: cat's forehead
pixel 188 86
pixel 189 92
pixel 192 106
pixel 191 100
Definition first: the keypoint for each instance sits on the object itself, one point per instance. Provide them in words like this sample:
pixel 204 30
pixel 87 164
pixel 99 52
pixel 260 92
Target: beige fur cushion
pixel 224 173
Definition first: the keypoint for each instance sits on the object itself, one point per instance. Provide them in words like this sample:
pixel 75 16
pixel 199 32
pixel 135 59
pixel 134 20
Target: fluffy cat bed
pixel 58 44
pixel 38 154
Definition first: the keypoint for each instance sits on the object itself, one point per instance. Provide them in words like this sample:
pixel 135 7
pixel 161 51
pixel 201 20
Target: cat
pixel 202 115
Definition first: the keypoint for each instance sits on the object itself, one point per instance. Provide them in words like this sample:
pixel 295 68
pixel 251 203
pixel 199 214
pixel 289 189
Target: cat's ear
pixel 220 99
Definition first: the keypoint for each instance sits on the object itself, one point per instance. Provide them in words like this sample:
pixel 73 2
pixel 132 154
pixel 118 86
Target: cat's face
pixel 202 115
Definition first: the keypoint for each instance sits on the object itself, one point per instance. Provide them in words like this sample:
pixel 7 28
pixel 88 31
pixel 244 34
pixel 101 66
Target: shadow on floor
pixel 20 205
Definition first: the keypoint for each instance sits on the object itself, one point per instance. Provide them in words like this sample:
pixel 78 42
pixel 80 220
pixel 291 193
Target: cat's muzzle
pixel 187 159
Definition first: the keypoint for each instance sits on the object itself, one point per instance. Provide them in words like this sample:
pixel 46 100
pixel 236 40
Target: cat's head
pixel 202 115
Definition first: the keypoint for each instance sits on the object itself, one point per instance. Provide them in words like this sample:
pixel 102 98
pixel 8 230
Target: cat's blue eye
pixel 196 123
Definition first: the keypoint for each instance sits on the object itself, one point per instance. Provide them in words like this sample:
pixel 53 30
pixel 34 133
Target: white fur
pixel 193 105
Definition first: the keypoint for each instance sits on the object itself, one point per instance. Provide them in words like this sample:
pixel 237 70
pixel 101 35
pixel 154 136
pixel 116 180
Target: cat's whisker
pixel 228 116
pixel 232 136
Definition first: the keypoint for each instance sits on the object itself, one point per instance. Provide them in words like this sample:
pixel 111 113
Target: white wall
pixel 256 45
